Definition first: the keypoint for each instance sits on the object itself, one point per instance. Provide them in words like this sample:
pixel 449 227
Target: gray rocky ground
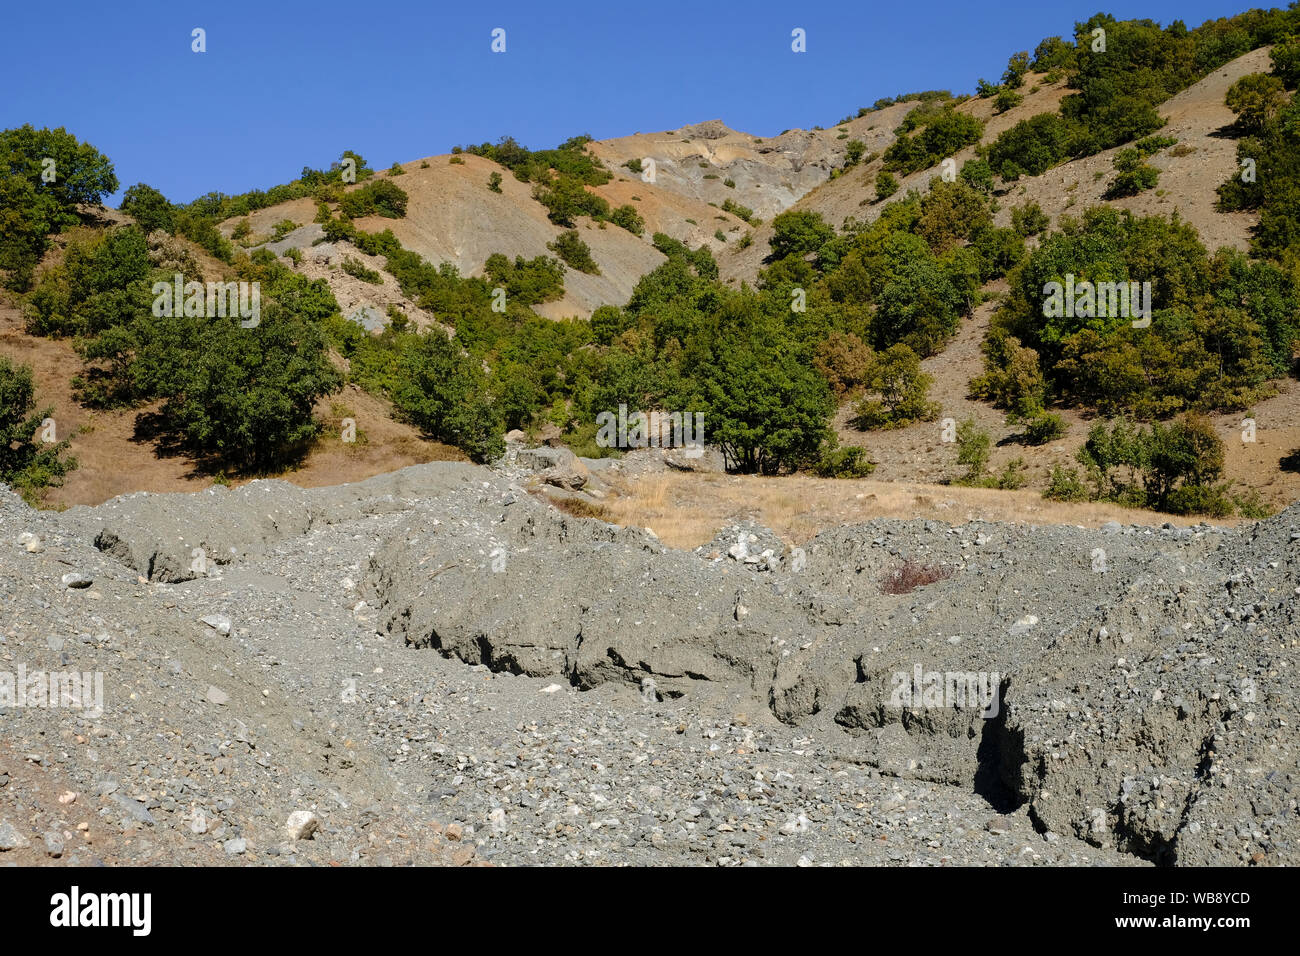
pixel 440 667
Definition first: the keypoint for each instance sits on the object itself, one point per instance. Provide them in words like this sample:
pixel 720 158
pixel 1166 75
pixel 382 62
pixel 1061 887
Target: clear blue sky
pixel 288 84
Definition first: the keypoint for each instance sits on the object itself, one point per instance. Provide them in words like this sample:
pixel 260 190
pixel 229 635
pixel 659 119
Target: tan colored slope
pixel 1187 183
pixel 853 194
pixel 452 216
pixel 769 174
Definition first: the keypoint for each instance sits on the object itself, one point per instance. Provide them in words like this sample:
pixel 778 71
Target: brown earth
pixel 114 460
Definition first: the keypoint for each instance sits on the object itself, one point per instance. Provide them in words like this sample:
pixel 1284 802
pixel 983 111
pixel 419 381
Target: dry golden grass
pixel 686 510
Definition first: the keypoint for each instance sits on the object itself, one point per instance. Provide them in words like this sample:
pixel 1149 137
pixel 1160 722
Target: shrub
pixel 566 198
pixel 902 387
pixel 529 281
pixel 1256 98
pixel 1134 177
pixel 494 182
pixel 27 466
pixel 977 174
pixel 282 229
pixel 1285 58
pixel 1031 147
pixel 1065 485
pixel 845 361
pixel 1043 428
pixel 951 213
pixel 1173 467
pixel 741 212
pixel 1029 219
pixel 381 197
pixel 149 208
pixel 569 246
pixel 944 132
pixel 359 270
pixel 628 218
pixel 973 449
pixel 910 575
pixel 886 185
pixel 1007 99
pixel 1012 476
pixel 1014 75
pixel 798 232
pixel 849 461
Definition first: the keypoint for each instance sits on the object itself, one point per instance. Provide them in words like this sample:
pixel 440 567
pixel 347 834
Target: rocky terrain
pixel 438 666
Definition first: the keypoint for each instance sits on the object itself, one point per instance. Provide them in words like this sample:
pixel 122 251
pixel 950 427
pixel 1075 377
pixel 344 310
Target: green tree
pixel 628 218
pixel 799 232
pixel 569 246
pixel 974 446
pixel 902 388
pixel 1006 100
pixel 44 176
pixel 1031 147
pixel 764 407
pixel 240 396
pixel 1285 57
pixel 1014 75
pixel 886 185
pixel 1028 219
pixel 442 390
pixel 27 465
pixel 149 208
pixel 1256 98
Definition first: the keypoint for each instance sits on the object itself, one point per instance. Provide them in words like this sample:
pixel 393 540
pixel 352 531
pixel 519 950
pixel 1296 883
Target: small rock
pixel 10 838
pixel 53 844
pixel 454 832
pixel 77 579
pixel 302 825
pixel 798 824
pixel 134 809
pixel 217 696
pixel 218 622
pixel 235 847
pixel 1023 625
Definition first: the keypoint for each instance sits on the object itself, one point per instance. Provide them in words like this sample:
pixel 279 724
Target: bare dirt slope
pixel 453 217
